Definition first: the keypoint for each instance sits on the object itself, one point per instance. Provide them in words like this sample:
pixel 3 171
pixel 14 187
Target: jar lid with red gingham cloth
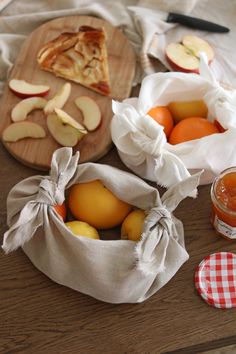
pixel 215 279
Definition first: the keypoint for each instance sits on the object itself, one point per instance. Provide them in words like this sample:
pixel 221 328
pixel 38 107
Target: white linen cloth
pixel 141 142
pixel 113 271
pixel 141 21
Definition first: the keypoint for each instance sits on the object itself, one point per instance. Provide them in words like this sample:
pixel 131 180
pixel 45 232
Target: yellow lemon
pixel 82 229
pixel 131 227
pixel 185 109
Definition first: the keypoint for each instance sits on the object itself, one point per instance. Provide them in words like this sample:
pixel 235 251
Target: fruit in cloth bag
pixel 132 226
pixel 190 129
pixel 93 203
pixel 186 109
pixel 142 144
pixel 81 228
pixel 162 116
pixel 66 254
pixel 61 210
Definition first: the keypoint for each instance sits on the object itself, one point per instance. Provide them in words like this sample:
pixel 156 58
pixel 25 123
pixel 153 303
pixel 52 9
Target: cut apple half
pixel 185 56
pixel 24 89
pixel 59 100
pixel 67 119
pixel 91 112
pixel 21 130
pixel 198 45
pixel 64 134
pixel 24 107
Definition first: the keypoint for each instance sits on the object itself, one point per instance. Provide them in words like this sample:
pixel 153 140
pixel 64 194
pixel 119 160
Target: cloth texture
pixel 142 143
pixel 115 271
pixel 142 21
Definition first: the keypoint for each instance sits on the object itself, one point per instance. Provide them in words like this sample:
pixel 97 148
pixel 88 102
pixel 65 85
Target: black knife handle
pixel 196 23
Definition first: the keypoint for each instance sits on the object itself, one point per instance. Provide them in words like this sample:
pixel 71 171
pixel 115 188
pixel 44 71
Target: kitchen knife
pixel 196 23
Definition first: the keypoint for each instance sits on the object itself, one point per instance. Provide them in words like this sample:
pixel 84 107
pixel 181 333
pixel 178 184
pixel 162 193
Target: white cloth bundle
pixel 142 144
pixel 113 271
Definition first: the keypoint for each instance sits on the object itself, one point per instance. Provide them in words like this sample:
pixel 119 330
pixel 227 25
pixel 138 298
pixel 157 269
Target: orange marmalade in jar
pixel 223 196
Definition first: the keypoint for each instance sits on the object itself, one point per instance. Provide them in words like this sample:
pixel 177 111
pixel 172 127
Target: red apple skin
pixel 27 95
pixel 219 126
pixel 176 67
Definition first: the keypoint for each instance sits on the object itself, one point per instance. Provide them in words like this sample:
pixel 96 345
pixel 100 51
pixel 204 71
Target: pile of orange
pixel 184 121
pixel 90 207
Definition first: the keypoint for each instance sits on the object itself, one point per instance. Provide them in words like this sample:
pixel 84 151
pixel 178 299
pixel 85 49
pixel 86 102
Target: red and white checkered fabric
pixel 215 279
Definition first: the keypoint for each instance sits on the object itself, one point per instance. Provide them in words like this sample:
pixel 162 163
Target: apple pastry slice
pixel 80 57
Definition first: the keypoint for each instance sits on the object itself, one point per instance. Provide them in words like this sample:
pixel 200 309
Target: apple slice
pixel 24 89
pixel 24 107
pixel 67 119
pixel 59 100
pixel 64 134
pixel 91 112
pixel 185 56
pixel 20 130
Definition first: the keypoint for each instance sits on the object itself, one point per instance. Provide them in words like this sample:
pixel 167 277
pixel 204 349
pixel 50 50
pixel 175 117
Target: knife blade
pixel 196 23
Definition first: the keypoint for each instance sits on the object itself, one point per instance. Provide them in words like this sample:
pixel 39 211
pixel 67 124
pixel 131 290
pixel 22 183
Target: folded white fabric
pixel 112 271
pixel 142 144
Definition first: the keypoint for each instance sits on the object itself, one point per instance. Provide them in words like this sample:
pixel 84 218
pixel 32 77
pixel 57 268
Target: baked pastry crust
pixel 80 57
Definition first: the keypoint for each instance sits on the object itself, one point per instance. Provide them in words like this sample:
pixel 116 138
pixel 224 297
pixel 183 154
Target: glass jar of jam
pixel 223 196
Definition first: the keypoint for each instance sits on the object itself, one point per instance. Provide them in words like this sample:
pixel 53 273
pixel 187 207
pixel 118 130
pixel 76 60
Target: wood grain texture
pixel 37 153
pixel 224 350
pixel 38 316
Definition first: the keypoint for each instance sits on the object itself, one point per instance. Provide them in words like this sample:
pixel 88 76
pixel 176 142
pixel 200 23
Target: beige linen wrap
pixel 115 271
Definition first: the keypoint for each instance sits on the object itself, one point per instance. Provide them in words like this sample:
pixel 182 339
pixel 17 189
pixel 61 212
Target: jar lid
pixel 215 279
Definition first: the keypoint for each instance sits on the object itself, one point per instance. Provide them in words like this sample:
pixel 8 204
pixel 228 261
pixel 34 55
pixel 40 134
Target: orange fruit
pixel 162 115
pixel 61 210
pixel 191 129
pixel 93 203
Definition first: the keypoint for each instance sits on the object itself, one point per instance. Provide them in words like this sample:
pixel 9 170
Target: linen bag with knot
pixel 115 271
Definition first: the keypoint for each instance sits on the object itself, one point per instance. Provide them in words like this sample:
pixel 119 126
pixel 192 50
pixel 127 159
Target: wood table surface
pixel 39 316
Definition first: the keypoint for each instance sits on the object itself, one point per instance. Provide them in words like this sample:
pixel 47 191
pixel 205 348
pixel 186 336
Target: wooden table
pixel 39 316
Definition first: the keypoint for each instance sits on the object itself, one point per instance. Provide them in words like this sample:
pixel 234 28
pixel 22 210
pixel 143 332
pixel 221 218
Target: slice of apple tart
pixel 80 57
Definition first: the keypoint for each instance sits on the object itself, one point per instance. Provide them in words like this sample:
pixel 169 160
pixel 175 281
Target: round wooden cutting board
pixel 37 153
